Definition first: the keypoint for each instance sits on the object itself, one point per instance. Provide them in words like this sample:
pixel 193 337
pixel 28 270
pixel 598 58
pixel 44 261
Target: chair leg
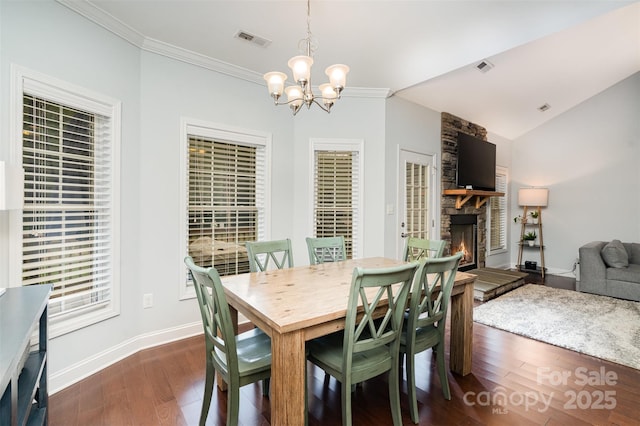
pixel 266 387
pixel 346 403
pixel 233 404
pixel 411 388
pixel 442 371
pixel 208 391
pixel 394 394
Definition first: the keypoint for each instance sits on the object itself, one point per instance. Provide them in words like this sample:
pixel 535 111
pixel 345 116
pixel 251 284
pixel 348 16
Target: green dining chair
pixel 417 248
pixel 424 325
pixel 326 249
pixel 261 253
pixel 240 360
pixel 368 347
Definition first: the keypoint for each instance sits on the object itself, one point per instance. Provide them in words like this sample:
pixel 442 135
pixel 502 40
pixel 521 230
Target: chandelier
pixel 302 92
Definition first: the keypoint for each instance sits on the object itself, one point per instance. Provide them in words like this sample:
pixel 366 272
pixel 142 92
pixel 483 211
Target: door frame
pixel 403 154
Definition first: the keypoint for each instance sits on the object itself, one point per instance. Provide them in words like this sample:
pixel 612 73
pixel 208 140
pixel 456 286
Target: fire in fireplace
pixel 464 238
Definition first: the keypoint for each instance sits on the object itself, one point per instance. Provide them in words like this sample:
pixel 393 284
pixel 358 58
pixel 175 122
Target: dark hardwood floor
pixel 514 381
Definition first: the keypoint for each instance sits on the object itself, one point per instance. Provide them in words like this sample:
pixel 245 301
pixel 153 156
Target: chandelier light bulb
pixel 337 76
pixel 294 97
pixel 329 95
pixel 301 69
pixel 275 83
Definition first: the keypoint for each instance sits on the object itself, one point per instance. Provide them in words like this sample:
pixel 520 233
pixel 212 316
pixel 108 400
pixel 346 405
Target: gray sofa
pixel 610 269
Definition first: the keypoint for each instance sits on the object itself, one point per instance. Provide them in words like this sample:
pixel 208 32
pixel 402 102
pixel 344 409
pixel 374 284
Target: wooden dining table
pixel 294 305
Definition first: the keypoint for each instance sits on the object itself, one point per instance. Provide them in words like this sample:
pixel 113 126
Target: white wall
pixel 503 159
pixel 48 38
pixel 171 90
pixel 351 118
pixel 588 157
pixel 414 128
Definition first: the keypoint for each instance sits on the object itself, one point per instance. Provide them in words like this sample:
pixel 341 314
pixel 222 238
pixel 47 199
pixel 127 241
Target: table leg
pixel 222 385
pixel 288 381
pixel 461 343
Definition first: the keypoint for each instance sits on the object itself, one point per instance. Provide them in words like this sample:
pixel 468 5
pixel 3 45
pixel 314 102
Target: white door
pixel 416 197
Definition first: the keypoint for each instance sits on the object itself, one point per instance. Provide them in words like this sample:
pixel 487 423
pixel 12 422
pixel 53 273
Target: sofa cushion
pixel 633 249
pixel 629 274
pixel 615 255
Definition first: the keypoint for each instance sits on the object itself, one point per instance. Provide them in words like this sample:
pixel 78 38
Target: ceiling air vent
pixel 484 66
pixel 252 38
pixel 544 107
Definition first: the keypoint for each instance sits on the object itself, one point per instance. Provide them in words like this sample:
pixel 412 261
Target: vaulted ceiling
pixel 558 53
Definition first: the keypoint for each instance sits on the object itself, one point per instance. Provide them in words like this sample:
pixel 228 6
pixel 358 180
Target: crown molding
pixel 107 21
pixel 366 92
pixel 193 58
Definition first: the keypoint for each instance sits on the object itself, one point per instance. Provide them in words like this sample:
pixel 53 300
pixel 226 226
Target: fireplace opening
pixel 464 231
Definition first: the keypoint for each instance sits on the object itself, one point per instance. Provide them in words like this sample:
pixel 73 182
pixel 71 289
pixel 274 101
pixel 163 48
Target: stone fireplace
pixel 451 126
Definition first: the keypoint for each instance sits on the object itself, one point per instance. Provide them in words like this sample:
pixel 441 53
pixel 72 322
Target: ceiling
pixel 558 53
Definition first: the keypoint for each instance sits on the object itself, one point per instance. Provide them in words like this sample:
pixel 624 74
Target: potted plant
pixel 519 219
pixel 534 216
pixel 530 237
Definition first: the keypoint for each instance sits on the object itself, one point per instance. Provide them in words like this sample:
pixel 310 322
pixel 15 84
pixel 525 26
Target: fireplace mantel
pixel 464 195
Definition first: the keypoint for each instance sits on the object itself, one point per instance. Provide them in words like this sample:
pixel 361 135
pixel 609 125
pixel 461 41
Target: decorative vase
pixel 531 242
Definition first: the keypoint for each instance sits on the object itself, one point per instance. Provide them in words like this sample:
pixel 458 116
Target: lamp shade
pixel 329 95
pixel 337 75
pixel 534 197
pixel 275 82
pixel 11 187
pixel 294 95
pixel 301 68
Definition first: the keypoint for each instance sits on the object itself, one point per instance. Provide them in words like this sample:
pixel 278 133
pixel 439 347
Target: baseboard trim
pixel 85 368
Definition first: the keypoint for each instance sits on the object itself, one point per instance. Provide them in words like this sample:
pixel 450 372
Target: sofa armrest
pixel 593 270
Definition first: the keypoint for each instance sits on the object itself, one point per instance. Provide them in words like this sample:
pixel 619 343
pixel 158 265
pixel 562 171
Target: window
pixel 417 197
pixel 498 214
pixel 70 223
pixel 225 197
pixel 337 192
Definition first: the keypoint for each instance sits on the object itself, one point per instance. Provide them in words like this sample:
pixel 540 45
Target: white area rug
pixel 600 326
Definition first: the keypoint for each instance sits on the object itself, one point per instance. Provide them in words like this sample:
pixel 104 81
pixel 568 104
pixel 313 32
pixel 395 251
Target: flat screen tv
pixel 476 163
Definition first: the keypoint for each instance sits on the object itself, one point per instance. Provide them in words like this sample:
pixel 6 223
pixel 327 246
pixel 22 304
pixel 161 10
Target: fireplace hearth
pixel 464 238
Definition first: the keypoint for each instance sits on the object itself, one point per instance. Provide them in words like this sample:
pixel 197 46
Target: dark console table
pixel 23 369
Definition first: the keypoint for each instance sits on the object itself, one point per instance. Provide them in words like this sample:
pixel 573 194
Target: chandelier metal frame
pixel 302 92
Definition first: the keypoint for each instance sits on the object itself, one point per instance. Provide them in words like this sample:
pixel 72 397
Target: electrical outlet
pixel 147 300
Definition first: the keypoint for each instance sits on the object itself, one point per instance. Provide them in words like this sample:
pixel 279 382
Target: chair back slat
pixel 326 249
pixel 365 330
pixel 431 291
pixel 261 253
pixel 419 248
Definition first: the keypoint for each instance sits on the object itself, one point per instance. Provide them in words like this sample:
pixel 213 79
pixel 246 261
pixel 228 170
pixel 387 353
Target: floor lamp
pixel 533 199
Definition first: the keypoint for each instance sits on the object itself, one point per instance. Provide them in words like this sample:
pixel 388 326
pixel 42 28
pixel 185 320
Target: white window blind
pixel 67 222
pixel 225 202
pixel 336 193
pixel 498 206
